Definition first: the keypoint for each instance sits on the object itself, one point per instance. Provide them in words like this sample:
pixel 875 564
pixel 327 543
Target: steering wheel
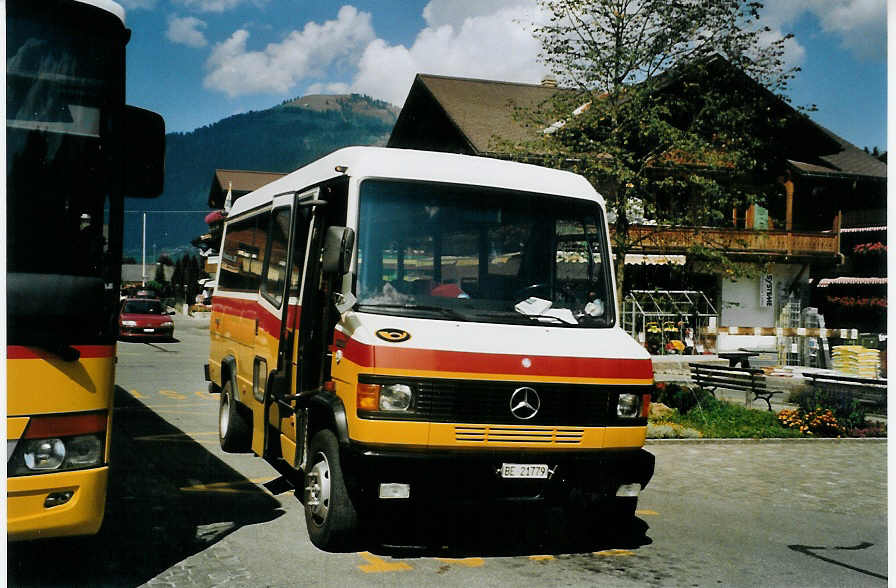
pixel 527 291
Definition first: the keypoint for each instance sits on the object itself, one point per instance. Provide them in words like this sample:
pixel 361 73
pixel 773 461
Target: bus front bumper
pixel 29 517
pixel 476 476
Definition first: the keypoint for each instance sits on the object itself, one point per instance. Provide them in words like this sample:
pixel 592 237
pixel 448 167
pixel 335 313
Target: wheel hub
pixel 317 490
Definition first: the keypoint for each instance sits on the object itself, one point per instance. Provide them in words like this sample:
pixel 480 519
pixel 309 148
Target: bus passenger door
pixel 281 417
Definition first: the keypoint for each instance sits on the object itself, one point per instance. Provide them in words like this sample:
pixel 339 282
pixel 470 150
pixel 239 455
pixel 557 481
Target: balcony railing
pixel 653 239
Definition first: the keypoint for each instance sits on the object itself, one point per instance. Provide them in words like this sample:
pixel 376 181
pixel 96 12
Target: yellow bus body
pixel 38 384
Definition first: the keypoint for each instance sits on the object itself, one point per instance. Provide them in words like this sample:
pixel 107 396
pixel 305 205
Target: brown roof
pixel 241 182
pixel 482 113
pixel 484 109
pixel 846 160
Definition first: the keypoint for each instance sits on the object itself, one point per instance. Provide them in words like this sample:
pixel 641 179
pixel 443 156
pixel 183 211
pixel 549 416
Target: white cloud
pixel 328 88
pixel 138 4
pixel 211 5
pixel 302 54
pixel 465 40
pixel 859 24
pixel 186 31
pixel 454 12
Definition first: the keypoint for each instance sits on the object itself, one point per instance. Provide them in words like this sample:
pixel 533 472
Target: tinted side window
pixel 242 254
pixel 275 274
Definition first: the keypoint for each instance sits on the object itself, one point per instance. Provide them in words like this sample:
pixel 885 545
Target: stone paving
pixel 846 476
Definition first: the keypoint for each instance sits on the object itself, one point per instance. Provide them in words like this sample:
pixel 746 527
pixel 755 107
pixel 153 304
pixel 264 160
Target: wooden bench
pixel 866 391
pixel 752 380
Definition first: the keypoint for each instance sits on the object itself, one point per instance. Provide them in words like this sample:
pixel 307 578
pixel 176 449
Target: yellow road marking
pixel 136 394
pixel 203 394
pixel 614 553
pixel 173 394
pixel 377 565
pixel 646 512
pixel 541 557
pixel 152 406
pixel 235 487
pixel 470 562
pixel 174 435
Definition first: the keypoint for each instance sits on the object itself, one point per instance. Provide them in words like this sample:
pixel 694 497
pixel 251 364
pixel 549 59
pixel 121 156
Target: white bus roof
pixel 408 164
pixel 107 5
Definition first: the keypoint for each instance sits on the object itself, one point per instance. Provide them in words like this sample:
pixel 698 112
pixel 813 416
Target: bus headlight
pixel 84 451
pixel 385 397
pixel 394 397
pixel 44 454
pixel 628 406
pixel 57 443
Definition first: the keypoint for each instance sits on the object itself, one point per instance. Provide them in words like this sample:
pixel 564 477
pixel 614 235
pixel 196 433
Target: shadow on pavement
pixel 499 530
pixel 157 511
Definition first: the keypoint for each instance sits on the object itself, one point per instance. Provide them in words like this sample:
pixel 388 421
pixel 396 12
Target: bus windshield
pixel 480 254
pixel 62 88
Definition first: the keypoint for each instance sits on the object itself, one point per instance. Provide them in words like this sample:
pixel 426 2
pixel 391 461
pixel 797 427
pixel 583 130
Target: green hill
pixel 278 139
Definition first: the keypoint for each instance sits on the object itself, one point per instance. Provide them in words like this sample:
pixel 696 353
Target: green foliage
pixel 158 287
pixel 666 430
pixel 723 420
pixel 680 397
pixel 673 106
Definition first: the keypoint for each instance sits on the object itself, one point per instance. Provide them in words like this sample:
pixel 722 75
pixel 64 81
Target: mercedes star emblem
pixel 524 403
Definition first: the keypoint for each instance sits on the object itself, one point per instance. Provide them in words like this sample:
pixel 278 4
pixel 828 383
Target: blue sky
pixel 197 61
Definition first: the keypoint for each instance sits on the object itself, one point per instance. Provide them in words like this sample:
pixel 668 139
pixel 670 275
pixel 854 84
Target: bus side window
pixel 240 259
pixel 303 220
pixel 275 271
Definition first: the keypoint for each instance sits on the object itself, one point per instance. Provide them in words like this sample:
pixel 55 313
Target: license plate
pixel 524 470
pixel 149 330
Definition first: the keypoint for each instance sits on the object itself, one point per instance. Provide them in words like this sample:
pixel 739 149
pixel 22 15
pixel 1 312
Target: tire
pixel 234 431
pixel 330 515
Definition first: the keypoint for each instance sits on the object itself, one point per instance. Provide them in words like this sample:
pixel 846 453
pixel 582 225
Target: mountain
pixel 279 139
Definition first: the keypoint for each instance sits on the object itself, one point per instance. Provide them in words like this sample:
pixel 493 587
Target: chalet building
pixel 832 192
pixel 226 184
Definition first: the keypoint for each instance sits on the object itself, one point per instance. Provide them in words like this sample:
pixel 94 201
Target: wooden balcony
pixel 747 242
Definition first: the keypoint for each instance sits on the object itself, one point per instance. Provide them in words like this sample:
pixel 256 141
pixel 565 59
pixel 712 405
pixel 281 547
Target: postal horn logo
pixel 393 335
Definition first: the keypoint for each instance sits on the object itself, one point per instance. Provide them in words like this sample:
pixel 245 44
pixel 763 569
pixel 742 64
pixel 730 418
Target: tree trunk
pixel 620 280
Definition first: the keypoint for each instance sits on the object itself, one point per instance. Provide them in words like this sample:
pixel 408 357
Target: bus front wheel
pixel 234 431
pixel 329 513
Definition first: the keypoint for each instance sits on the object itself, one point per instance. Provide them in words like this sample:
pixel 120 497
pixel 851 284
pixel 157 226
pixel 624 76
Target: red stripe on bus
pixel 66 425
pixel 381 356
pixel 251 309
pixel 87 351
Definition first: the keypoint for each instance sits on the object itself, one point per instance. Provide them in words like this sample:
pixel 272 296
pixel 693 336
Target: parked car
pixel 145 318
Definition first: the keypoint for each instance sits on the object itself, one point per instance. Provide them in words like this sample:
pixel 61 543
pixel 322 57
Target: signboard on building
pixel 766 291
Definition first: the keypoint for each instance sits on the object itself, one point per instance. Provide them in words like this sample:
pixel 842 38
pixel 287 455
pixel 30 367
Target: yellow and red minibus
pixel 397 326
pixel 73 151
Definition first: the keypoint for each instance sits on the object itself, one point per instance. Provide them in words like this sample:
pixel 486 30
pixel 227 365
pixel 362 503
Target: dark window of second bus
pixel 275 272
pixel 242 255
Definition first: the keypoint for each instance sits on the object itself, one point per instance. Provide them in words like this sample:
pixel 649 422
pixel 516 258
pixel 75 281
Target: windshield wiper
pixel 448 312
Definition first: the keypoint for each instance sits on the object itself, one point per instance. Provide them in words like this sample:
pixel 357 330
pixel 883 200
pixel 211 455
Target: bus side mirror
pixel 144 145
pixel 338 246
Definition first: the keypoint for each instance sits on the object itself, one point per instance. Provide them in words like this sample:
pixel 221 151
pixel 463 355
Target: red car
pixel 145 318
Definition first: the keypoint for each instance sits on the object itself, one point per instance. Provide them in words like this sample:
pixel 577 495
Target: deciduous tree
pixel 671 110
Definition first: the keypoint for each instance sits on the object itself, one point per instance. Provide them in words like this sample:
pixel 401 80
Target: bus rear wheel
pixel 234 430
pixel 330 515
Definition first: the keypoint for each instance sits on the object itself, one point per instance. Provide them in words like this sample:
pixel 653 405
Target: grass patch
pixel 718 419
